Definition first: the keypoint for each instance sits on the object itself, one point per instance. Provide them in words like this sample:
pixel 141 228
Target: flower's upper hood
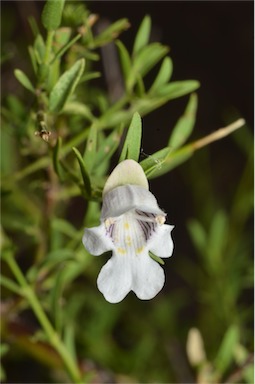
pixel 126 198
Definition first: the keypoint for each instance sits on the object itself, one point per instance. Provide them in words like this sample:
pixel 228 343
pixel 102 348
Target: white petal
pixel 126 172
pixel 114 279
pixel 162 244
pixel 96 241
pixel 126 198
pixel 148 277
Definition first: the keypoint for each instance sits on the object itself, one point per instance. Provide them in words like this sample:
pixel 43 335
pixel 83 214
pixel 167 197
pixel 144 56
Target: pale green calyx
pixel 126 172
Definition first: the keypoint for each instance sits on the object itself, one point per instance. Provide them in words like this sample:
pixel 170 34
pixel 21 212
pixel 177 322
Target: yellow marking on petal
pixel 108 222
pixel 139 250
pixel 126 225
pixel 128 240
pixel 121 251
pixel 160 219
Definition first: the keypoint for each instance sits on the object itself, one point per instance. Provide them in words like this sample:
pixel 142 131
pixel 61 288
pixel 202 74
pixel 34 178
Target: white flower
pixel 132 224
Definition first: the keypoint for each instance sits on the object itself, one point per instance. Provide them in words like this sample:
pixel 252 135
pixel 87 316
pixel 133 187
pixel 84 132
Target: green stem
pixel 52 335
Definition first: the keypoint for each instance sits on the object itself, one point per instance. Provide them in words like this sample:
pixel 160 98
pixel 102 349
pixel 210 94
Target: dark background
pixel 210 41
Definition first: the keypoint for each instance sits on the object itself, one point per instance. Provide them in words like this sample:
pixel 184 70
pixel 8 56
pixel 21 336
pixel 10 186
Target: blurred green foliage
pixel 58 140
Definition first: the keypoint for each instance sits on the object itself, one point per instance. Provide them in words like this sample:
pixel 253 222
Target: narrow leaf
pixel 64 227
pixel 143 35
pixel 65 86
pixel 33 25
pixel 171 160
pixel 55 298
pixel 39 48
pixel 226 350
pixel 33 58
pixel 198 235
pixel 149 56
pixel 61 37
pixel 131 148
pixel 84 173
pixel 64 48
pixel 163 75
pixel 110 33
pixel 90 76
pixel 52 260
pixel 178 88
pixel 91 147
pixel 217 238
pixel 52 14
pixel 108 147
pixel 69 339
pixel 124 59
pixel 9 284
pixel 185 124
pixel 77 108
pixel 24 80
pixel 156 258
pixel 146 59
pixel 155 160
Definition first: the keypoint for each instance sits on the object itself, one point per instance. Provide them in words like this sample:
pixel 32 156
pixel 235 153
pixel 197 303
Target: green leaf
pixel 57 256
pixel 52 260
pixel 90 76
pixel 33 25
pixel 39 49
pixel 24 80
pixel 185 124
pixel 64 227
pixel 155 160
pixel 84 173
pixel 4 348
pixel 69 339
pixel 110 33
pixel 131 148
pixel 61 37
pixel 163 75
pixel 156 258
pixel 64 48
pixel 146 59
pixel 10 284
pixel 226 351
pixel 65 86
pixel 125 60
pixel 143 35
pixel 53 74
pixel 217 238
pixel 198 235
pixel 108 147
pixel 77 108
pixel 177 89
pixel 140 88
pixel 91 147
pixel 52 14
pixel 168 160
pixel 33 58
pixel 55 297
